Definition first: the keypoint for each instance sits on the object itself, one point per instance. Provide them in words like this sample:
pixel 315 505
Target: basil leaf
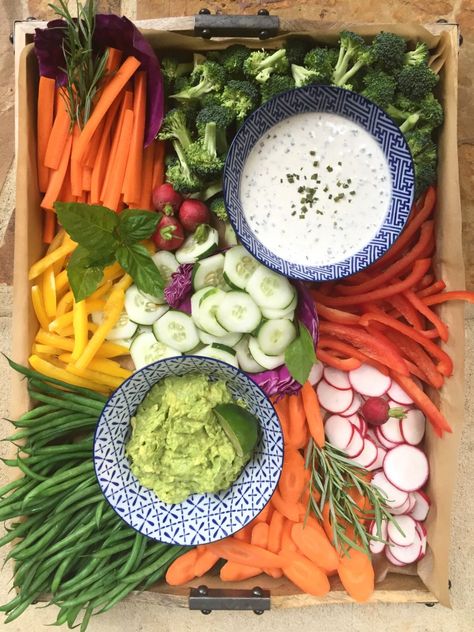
pixel 91 226
pixel 135 225
pixel 136 260
pixel 84 274
pixel 300 355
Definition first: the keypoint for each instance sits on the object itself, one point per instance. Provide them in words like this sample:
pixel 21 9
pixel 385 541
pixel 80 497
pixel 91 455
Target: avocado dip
pixel 177 446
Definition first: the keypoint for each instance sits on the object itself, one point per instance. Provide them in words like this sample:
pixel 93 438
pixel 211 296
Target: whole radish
pixel 166 199
pixel 192 213
pixel 376 411
pixel 169 234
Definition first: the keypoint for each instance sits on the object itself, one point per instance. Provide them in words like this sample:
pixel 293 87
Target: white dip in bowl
pixel 316 188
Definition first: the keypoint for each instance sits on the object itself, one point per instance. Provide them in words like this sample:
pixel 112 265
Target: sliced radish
pixel 383 529
pixel 406 554
pixel 391 430
pixel 413 426
pixel 393 404
pixel 354 419
pixel 356 445
pixel 392 559
pixel 420 529
pixel 407 526
pixel 394 497
pixel 397 393
pixel 354 407
pixel 333 399
pixel 369 381
pixel 381 452
pixel 363 426
pixel 376 546
pixel 373 437
pixel 406 467
pixel 421 507
pixel 368 456
pixel 388 445
pixel 412 500
pixel 337 378
pixel 316 373
pixel 339 431
pixel 403 509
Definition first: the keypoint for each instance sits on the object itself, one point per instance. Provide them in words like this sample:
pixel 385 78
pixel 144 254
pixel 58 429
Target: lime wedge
pixel 240 426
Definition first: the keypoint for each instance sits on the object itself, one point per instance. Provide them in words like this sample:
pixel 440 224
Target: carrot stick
pixel 287 544
pixel 260 535
pixel 244 534
pixel 459 295
pixel 357 575
pixel 49 226
pixel 44 125
pixel 298 432
pixel 145 201
pixel 91 154
pixel 60 132
pixel 57 176
pixel 112 194
pixel 437 323
pixel 181 570
pixel 281 407
pixel 133 173
pixel 293 476
pixel 264 515
pixel 75 166
pixel 312 410
pixel 234 572
pixel 306 575
pixel 205 561
pixel 86 178
pixel 66 191
pixel 100 165
pixel 434 288
pixel 275 531
pixel 343 364
pixel 314 544
pixel 159 164
pixel 293 511
pixel 244 553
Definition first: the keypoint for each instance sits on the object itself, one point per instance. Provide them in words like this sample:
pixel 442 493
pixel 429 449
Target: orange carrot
pixel 281 407
pixel 49 226
pixel 91 154
pixel 260 535
pixel 264 515
pixel 205 561
pixel 133 173
pixel 313 414
pixel 275 532
pixel 60 131
pixel 244 553
pixel 313 543
pixel 244 534
pixel 357 575
pixel 298 429
pixel 159 164
pixel 145 201
pixel 293 511
pixel 306 575
pixel 113 192
pixel 75 166
pixel 100 166
pixel 57 176
pixel 126 104
pixel 235 572
pixel 107 97
pixel 182 569
pixel 66 192
pixel 287 543
pixel 44 125
pixel 293 477
pixel 86 178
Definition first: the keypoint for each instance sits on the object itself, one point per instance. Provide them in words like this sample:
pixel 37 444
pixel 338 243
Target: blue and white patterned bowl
pixel 201 518
pixel 318 98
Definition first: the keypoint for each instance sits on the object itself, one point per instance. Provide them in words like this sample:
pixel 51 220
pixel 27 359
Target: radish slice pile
pixel 390 450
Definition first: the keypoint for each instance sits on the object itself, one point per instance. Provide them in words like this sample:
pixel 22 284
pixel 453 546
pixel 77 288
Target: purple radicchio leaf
pixel 110 31
pixel 279 381
pixel 179 289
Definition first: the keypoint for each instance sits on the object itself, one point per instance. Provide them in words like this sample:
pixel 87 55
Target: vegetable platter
pixel 425 581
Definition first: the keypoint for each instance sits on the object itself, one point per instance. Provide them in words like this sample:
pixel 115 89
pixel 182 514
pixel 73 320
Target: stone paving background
pixel 131 616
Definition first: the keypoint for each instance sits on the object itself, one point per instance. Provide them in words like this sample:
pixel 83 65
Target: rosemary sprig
pixel 84 68
pixel 334 475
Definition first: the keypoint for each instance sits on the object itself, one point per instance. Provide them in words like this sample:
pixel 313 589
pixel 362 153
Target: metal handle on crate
pixel 208 599
pixel 261 25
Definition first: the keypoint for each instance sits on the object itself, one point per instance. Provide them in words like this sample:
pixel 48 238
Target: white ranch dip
pixel 316 188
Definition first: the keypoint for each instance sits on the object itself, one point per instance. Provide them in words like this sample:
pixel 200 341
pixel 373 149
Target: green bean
pixel 19 482
pixel 73 613
pixel 14 614
pixel 61 420
pixel 98 513
pixel 86 618
pixel 13 603
pixel 10 462
pixel 38 411
pixel 112 550
pixel 136 548
pixel 16 532
pixel 81 494
pixel 29 472
pixel 41 439
pixel 64 476
pixel 63 448
pixel 69 401
pixel 89 396
pixel 43 420
pixel 60 572
pixel 25 552
pixel 115 595
pixel 62 616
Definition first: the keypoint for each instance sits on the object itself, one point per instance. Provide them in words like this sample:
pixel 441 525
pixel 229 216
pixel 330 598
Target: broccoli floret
pixel 172 69
pixel 175 127
pixel 240 97
pixel 418 140
pixel 212 98
pixel 275 85
pixel 202 155
pixel 418 56
pixel 425 169
pixel 180 175
pixel 223 119
pixel 408 113
pixel 296 49
pixel 217 206
pixel 233 59
pixel 416 82
pixel 379 87
pixel 322 61
pixel 354 54
pixel 260 65
pixel 389 51
pixel 210 77
pixel 302 76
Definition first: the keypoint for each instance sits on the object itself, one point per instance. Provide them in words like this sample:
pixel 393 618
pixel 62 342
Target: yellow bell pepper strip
pixel 114 307
pixel 38 306
pixel 43 264
pixel 81 333
pixel 67 319
pixel 124 283
pixel 107 350
pixel 112 272
pixel 51 370
pixel 95 376
pixel 103 365
pixel 100 291
pixel 58 239
pixel 49 292
pixel 62 282
pixel 68 332
pixel 65 304
pixel 46 349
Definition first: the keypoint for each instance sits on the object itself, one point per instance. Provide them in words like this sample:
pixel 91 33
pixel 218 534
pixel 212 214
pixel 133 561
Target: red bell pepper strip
pixel 459 295
pixel 414 352
pixel 343 364
pixel 336 315
pixel 333 344
pixel 407 310
pixel 428 313
pixel 434 288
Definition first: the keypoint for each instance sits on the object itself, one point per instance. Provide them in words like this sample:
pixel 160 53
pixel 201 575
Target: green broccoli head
pixel 379 87
pixel 302 76
pixel 389 51
pixel 354 54
pixel 240 97
pixel 172 68
pixel 275 85
pixel 260 65
pixel 417 81
pixel 222 117
pixel 408 113
pixel 233 58
pixel 419 139
pixel 202 156
pixel 179 174
pixel 425 169
pixel 175 126
pixel 206 77
pixel 296 49
pixel 418 56
pixel 322 61
pixel 217 206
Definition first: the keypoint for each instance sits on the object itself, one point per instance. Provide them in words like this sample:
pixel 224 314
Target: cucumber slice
pixel 208 306
pixel 125 342
pixel 274 336
pixel 267 361
pixel 166 263
pixel 146 349
pixel 159 300
pixel 230 238
pixel 287 312
pixel 219 352
pixel 177 330
pixel 124 327
pixel 191 250
pixel 230 340
pixel 239 266
pixel 237 312
pixel 195 301
pixel 269 289
pixel 210 272
pixel 140 309
pixel 245 360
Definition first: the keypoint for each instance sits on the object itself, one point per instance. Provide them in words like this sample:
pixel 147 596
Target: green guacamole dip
pixel 178 447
